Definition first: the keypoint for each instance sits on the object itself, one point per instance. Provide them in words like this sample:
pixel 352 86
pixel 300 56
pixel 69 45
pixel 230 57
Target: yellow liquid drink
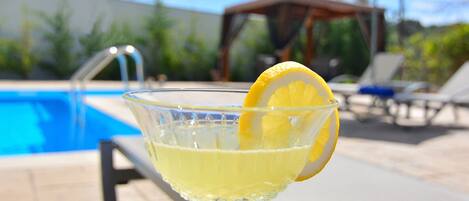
pixel 208 174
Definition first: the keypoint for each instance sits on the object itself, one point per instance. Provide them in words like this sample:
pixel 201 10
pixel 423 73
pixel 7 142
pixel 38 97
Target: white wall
pixel 85 12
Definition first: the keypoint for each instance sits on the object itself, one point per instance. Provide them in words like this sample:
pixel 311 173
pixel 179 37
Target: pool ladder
pixel 92 67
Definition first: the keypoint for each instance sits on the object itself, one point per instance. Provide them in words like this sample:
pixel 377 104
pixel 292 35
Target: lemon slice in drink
pixel 283 85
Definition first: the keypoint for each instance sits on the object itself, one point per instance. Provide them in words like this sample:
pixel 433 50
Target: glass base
pixel 256 197
pixel 263 196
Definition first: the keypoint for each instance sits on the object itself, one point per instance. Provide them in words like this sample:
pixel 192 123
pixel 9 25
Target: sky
pixel 428 12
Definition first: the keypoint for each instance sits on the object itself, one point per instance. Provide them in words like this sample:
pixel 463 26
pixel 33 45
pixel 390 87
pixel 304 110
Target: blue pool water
pixel 41 121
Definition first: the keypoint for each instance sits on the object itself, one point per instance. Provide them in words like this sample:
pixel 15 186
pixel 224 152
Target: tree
pixel 98 40
pixel 16 54
pixel 401 28
pixel 158 49
pixel 435 56
pixel 93 41
pixel 408 28
pixel 28 60
pixel 198 59
pixel 59 58
pixel 342 39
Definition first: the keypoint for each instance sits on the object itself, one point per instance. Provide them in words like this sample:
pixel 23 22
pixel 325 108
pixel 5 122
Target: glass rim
pixel 131 96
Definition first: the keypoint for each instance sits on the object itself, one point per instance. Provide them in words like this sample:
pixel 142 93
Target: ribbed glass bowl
pixel 208 147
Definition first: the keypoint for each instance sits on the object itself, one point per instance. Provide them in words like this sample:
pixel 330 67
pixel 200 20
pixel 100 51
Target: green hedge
pixel 16 55
pixel 433 56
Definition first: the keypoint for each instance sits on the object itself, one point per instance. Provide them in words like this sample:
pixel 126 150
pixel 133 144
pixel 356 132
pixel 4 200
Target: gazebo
pixel 285 18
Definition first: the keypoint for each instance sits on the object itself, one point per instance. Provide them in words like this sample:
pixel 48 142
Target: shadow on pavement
pixel 381 131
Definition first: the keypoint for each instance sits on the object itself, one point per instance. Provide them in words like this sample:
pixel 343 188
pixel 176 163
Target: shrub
pixel 434 56
pixel 16 55
pixel 196 58
pixel 60 58
pixel 9 55
pixel 98 40
pixel 157 44
pixel 94 41
pixel 28 60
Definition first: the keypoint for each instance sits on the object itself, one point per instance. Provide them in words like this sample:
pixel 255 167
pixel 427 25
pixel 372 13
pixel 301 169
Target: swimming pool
pixel 42 121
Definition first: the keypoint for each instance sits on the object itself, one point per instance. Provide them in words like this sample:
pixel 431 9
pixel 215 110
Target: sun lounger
pixel 454 92
pixel 343 179
pixel 385 65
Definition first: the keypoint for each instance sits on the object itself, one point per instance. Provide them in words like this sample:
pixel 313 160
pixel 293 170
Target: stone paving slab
pixel 50 179
pixel 68 191
pixel 149 191
pixel 64 175
pixel 16 185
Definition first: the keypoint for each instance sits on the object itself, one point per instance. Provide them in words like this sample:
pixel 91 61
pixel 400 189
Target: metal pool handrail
pixel 95 65
pixel 101 59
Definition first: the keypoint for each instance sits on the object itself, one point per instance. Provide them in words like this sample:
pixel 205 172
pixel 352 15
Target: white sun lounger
pixel 386 66
pixel 454 92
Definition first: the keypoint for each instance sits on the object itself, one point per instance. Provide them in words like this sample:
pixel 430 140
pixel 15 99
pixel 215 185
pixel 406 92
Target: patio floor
pixel 437 154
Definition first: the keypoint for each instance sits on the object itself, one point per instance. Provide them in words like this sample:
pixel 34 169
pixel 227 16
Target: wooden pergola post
pixel 283 18
pixel 285 53
pixel 225 51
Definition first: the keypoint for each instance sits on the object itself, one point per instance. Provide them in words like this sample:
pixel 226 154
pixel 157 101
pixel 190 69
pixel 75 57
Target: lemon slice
pixel 283 85
pixel 323 148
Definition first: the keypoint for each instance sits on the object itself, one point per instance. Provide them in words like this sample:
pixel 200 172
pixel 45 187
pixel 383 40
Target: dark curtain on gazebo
pixel 284 22
pixel 232 25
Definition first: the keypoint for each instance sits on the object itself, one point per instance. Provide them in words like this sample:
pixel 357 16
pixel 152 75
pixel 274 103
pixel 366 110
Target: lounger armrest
pixel 464 92
pixel 400 83
pixel 416 86
pixel 344 78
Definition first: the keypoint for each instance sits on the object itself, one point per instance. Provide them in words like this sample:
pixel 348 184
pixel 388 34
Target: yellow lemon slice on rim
pixel 284 85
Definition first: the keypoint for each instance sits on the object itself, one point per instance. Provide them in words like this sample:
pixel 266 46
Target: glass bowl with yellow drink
pixel 231 144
